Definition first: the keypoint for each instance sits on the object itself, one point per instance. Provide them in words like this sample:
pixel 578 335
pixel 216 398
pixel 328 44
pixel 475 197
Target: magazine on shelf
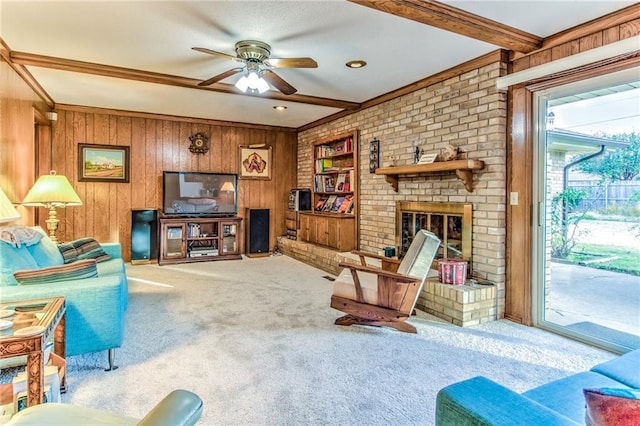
pixel 320 204
pixel 350 207
pixel 337 204
pixel 329 203
pixel 344 206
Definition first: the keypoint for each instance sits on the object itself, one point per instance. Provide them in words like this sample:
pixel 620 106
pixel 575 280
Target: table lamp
pixel 52 191
pixel 8 213
pixel 228 188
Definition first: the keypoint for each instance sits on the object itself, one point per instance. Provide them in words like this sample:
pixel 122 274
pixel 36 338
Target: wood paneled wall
pixel 156 144
pixel 18 107
pixel 617 26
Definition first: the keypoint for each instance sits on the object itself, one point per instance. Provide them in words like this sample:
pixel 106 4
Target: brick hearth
pixel 459 305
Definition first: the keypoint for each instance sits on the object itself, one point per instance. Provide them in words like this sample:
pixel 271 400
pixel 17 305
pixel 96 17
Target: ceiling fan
pixel 255 55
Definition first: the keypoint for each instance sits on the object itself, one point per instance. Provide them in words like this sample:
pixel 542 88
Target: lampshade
pixel 8 213
pixel 52 190
pixel 227 186
pixel 253 80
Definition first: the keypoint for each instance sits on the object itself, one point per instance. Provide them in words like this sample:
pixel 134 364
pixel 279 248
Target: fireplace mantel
pixel 463 169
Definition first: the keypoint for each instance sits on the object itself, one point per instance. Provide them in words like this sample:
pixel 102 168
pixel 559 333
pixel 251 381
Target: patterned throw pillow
pixel 68 251
pixel 72 271
pixel 83 248
pixel 612 407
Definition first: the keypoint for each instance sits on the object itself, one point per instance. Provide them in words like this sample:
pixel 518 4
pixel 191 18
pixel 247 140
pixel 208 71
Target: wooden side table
pixel 35 322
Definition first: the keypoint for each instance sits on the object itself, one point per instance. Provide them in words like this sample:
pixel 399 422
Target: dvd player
pixel 199 253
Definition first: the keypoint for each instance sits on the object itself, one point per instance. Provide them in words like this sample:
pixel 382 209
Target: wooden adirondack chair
pixel 384 296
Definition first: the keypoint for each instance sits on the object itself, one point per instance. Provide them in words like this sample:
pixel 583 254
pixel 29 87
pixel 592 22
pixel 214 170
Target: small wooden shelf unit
pixel 334 181
pixel 199 239
pixel 463 169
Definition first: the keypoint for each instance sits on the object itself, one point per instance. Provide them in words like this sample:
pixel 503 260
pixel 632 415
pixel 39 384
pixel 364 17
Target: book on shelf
pixel 347 181
pixel 347 144
pixel 324 183
pixel 340 182
pixel 323 164
pixel 328 184
pixel 325 151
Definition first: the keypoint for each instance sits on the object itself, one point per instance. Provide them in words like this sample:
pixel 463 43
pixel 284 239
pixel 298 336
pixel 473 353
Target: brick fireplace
pixel 451 222
pixel 464 305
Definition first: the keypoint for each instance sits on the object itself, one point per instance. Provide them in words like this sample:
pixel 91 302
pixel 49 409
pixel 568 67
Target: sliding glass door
pixel 587 211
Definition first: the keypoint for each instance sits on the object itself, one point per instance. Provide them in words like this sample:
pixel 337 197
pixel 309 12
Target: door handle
pixel 541 213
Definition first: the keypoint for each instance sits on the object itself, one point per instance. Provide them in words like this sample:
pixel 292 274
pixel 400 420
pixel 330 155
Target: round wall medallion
pixel 199 143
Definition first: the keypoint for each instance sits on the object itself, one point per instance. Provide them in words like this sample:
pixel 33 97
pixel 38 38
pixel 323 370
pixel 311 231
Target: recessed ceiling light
pixel 359 63
pixel 279 107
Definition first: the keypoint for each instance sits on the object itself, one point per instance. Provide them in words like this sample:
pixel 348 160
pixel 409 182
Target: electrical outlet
pixel 513 198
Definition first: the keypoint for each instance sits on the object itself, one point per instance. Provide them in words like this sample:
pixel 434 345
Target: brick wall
pixel 466 111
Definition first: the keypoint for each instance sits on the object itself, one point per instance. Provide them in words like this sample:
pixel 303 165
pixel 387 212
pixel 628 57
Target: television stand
pixel 188 239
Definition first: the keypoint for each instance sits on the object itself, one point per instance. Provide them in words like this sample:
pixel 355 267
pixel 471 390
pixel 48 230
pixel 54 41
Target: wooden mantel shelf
pixel 463 169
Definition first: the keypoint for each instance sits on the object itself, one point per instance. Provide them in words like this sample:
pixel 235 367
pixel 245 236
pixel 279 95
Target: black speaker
pixel 257 232
pixel 144 235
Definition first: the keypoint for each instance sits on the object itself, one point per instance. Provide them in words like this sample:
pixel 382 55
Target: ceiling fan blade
pixel 220 76
pixel 214 53
pixel 277 82
pixel 291 63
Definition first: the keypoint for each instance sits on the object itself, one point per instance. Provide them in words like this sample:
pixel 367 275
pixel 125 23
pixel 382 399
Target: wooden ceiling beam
pixel 26 76
pixel 458 21
pixel 31 59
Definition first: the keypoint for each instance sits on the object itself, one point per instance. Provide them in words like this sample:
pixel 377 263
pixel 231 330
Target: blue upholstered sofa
pixel 95 305
pixel 480 401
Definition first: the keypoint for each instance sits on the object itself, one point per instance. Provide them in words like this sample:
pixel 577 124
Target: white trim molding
pixel 611 50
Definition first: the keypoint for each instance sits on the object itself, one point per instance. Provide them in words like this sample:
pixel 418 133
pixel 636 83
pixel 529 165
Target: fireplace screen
pixel 450 222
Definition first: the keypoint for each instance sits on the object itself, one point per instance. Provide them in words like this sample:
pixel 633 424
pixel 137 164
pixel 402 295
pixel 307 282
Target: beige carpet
pixel 255 339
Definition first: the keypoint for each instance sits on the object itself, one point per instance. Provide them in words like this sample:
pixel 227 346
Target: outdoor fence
pixel 601 196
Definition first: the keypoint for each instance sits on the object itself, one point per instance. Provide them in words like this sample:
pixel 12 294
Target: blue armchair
pixel 95 306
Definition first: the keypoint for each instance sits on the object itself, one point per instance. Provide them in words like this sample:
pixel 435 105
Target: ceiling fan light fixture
pixel 263 86
pixel 253 80
pixel 243 83
pixel 279 107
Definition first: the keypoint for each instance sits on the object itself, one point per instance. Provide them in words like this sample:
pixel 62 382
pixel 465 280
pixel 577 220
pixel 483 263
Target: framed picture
pixel 255 163
pixel 103 163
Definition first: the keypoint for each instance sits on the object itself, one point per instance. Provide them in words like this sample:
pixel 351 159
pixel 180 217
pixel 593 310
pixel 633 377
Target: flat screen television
pixel 199 194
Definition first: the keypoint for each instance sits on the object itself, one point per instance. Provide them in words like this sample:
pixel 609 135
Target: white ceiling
pixel 158 36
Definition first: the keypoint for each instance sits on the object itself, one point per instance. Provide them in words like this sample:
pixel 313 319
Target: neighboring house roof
pixel 579 143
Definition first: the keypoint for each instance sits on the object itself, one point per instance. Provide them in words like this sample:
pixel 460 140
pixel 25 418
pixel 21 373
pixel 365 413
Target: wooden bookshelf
pixel 333 221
